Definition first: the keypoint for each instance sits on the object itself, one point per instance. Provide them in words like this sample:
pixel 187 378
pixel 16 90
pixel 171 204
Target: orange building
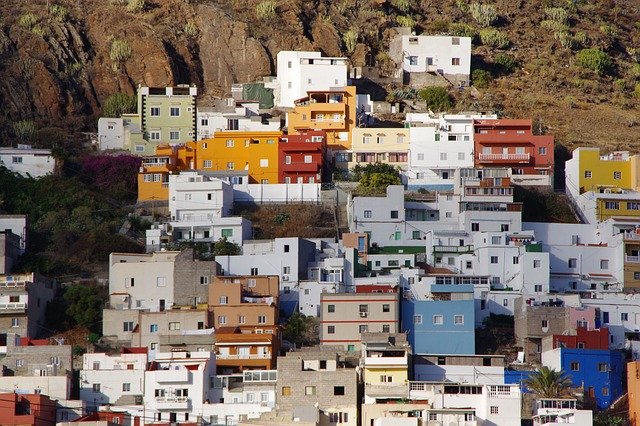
pixel 633 391
pixel 255 152
pixel 333 111
pixel 26 409
pixel 153 176
pixel 240 348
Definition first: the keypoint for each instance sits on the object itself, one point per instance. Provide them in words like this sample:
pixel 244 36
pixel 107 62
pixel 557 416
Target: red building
pixel 512 144
pixel 584 339
pixel 27 409
pixel 301 157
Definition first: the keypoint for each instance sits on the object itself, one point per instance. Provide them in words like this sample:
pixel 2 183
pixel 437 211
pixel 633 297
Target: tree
pixel 118 104
pixel 437 98
pixel 549 383
pixel 376 176
pixel 222 247
pixel 301 330
pixel 85 303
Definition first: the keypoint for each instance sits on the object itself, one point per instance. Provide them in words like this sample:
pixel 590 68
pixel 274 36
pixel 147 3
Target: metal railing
pixel 514 157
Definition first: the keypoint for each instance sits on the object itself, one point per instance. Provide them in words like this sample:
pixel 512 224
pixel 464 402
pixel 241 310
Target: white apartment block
pixel 300 72
pixel 439 144
pixel 619 312
pixel 111 133
pixel 233 115
pixel 112 379
pixel 28 161
pixel 432 60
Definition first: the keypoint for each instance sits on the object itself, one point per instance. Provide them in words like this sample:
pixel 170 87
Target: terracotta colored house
pixel 27 409
pixel 301 157
pixel 240 348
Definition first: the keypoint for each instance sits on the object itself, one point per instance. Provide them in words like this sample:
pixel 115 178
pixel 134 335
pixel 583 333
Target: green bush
pixel 24 131
pixel 135 6
pixel 609 30
pixel 28 20
pixel 581 38
pixel 459 29
pixel 437 98
pixel 405 21
pixel 350 39
pixel 557 14
pixel 595 59
pixel 564 38
pixel 401 5
pixel 483 14
pixel 635 70
pixel 440 26
pixel 506 62
pixel 636 90
pixel 120 52
pixel 494 38
pixel 266 10
pixel 552 25
pixel 118 104
pixel 38 30
pixel 59 12
pixel 481 78
pixel 190 29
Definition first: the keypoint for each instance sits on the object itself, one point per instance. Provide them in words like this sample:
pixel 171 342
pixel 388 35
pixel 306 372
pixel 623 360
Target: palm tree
pixel 549 383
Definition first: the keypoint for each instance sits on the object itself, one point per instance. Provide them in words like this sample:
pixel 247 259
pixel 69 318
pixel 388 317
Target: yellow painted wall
pixel 338 132
pixel 245 151
pixel 157 190
pixel 604 213
pixel 602 172
pixel 389 144
pixel 399 374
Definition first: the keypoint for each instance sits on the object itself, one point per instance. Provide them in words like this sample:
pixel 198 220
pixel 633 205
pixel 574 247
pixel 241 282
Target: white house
pixel 432 60
pixel 115 380
pixel 230 115
pixel 178 384
pixel 28 161
pixel 299 72
pixel 111 133
pixel 19 225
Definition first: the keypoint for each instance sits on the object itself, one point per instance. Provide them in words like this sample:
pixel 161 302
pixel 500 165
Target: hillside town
pixel 423 297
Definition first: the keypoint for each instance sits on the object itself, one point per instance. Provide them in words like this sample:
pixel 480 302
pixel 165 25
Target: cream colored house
pixel 380 145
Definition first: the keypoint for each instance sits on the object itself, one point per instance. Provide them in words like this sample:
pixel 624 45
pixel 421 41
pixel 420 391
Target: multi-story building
pixel 385 364
pixel 245 348
pixel 177 385
pixel 23 303
pixel 301 72
pixel 332 110
pixel 344 317
pixel 254 152
pixel 153 176
pixel 633 390
pixel 620 313
pixel 301 157
pixel 477 369
pixel 431 60
pixel 512 144
pixel 201 206
pixel 230 114
pixel 113 379
pixel 371 145
pixel 19 225
pixel 17 409
pixel 318 377
pixel 548 411
pixel 28 161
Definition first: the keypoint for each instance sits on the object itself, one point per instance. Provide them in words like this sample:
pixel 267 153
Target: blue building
pixel 441 322
pixel 598 371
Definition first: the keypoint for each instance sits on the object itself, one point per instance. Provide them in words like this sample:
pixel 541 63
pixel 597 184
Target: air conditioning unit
pixel 363 314
pixel 285 278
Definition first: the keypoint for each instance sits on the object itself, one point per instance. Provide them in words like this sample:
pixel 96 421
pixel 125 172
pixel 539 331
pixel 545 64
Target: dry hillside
pixel 58 62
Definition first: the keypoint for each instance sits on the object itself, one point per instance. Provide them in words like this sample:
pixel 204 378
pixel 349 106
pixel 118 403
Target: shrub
pixel 483 14
pixel 609 30
pixel 551 25
pixel 437 98
pixel 401 5
pixel 190 29
pixel 118 104
pixel 595 59
pixel 24 130
pixel 481 78
pixel 405 21
pixel 494 38
pixel 350 39
pixel 59 12
pixel 564 38
pixel 38 30
pixel 462 30
pixel 120 51
pixel 266 10
pixel 635 70
pixel 28 20
pixel 581 38
pixel 440 26
pixel 557 14
pixel 506 62
pixel 135 6
pixel 636 90
pixel 462 5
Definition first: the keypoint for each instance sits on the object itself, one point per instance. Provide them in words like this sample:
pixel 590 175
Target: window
pixel 438 320
pixel 126 387
pixel 537 263
pixel 309 390
pixel 226 233
pixel 603 367
pixel 231 165
pixel 254 271
pixel 443 156
pixel 624 316
pixel 308 159
pixel 207 164
pixel 155 111
pixel 386 379
pixel 367 214
pixel 461 156
pixel 19 363
pixel 386 307
pixel 516 260
pixel 468 264
pixel 175 112
pixel 331 329
pixel 494 409
pixel 458 319
pixel 154 346
pixel 455 61
pixel 413 60
pixel 612 205
pixel 475 227
pixel 222 319
pixel 204 280
pixel 545 323
pixel 363 328
pixel 573 262
pixel 537 288
pixel 223 300
pixel 139 148
pixel 161 281
pixel 331 308
pixel 575 366
pixel 394 214
pixel 420 157
pixel 385 328
pixel 127 326
pixel 617 175
pixel 455 41
pixel 242 319
pixel 338 390
pixel 129 282
pixel 417 319
pixel 96 387
pixel 264 162
pixel 496 240
pixel 286 391
pixel 633 206
pixel 262 319
pixel 174 326
pixel 153 328
pixel 494 259
pixel 251 282
pixel 605 391
pixel 505 302
pixel 287 290
pixel 174 135
pixel 604 264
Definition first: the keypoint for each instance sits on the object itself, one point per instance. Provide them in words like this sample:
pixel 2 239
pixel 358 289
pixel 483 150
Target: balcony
pixel 387 390
pixel 504 158
pixel 12 285
pixel 180 375
pixel 379 361
pixel 243 356
pixel 631 236
pixel 627 258
pixel 312 167
pixel 172 403
pixel 453 249
pixel 13 307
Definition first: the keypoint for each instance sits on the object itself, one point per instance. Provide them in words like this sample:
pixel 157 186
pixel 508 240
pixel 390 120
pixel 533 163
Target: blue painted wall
pixel 448 338
pixel 516 377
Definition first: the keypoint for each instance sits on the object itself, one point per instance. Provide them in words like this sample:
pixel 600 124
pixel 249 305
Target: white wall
pixel 309 295
pixel 26 161
pixel 459 374
pixel 277 193
pixel 193 197
pixel 110 133
pixel 113 372
pixel 18 225
pixel 56 387
pixel 441 50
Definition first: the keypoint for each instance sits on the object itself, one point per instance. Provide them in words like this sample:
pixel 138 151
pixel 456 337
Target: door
pixel 161 305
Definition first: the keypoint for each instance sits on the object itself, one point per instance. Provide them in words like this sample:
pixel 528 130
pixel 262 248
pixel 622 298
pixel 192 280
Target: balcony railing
pixel 385 360
pixel 453 249
pixel 631 236
pixel 13 306
pixel 504 157
pixel 172 403
pixel 12 284
pixel 632 259
pixel 241 356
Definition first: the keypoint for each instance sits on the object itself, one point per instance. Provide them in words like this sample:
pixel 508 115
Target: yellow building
pixel 153 176
pixel 589 171
pixel 333 111
pixel 255 152
pixel 386 358
pixel 380 145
